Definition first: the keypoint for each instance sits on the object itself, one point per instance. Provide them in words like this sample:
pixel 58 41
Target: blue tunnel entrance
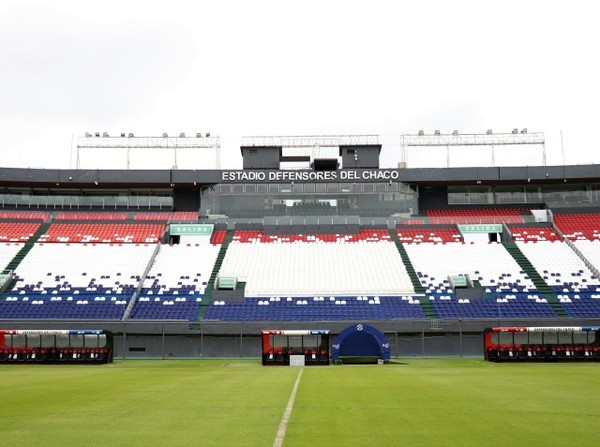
pixel 360 343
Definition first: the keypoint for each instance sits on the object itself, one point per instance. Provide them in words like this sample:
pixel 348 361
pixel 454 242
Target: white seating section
pixel 590 249
pixel 102 268
pixel 8 250
pixel 558 264
pixel 489 263
pixel 317 268
pixel 182 268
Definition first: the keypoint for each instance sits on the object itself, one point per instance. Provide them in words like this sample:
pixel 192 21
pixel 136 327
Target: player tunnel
pixel 361 343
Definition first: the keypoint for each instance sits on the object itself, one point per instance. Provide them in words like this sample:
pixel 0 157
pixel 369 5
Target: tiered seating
pixel 17 231
pixel 490 264
pixel 182 269
pixel 91 216
pixel 257 236
pixel 317 308
pixel 99 269
pixel 25 215
pixel 33 306
pixel 218 237
pixel 508 291
pixel 516 305
pixel 166 308
pixel 590 250
pixel 475 216
pixel 560 266
pixel 574 284
pixel 534 234
pixel 8 250
pixel 579 226
pixel 435 235
pixel 176 216
pixel 306 265
pixel 152 216
pixel 184 216
pixel 103 233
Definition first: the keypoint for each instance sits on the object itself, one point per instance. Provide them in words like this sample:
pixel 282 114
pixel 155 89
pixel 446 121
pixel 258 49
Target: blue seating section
pixel 581 304
pixel 518 305
pixel 84 307
pixel 166 308
pixel 316 309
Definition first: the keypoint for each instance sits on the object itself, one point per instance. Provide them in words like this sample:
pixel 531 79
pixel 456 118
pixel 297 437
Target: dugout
pixel 297 347
pixel 360 343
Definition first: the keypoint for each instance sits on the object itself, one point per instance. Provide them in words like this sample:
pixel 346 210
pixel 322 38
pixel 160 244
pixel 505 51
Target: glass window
pixel 535 338
pixel 295 343
pixel 18 341
pixel 520 338
pixel 550 338
pixel 62 341
pixel 48 341
pixel 458 195
pixel 510 194
pixel 506 338
pixel 250 187
pixel 581 337
pixel 76 341
pixel 90 340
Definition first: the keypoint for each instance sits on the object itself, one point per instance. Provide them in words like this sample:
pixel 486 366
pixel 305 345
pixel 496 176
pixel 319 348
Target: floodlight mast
pixel 132 142
pixel 456 139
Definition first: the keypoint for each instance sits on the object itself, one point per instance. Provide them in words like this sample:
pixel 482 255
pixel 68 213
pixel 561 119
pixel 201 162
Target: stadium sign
pixel 480 228
pixel 310 176
pixel 191 229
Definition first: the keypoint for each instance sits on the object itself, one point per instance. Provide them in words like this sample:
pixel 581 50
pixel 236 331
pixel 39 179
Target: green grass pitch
pixel 412 402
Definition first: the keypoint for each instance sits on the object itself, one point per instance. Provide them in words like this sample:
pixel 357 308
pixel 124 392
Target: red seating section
pixel 246 236
pixel 474 216
pixel 413 221
pixel 17 231
pixel 184 215
pixel 164 217
pixel 24 215
pixel 103 233
pixel 417 235
pixel 218 237
pixel 168 216
pixel 529 234
pixel 91 216
pixel 579 225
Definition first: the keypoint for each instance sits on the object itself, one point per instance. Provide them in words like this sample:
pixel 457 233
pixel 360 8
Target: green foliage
pixel 240 403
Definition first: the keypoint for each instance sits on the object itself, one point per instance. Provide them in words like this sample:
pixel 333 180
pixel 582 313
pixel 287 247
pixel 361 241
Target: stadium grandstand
pixel 195 263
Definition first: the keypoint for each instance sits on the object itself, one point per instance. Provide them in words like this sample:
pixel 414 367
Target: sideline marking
pixel 288 412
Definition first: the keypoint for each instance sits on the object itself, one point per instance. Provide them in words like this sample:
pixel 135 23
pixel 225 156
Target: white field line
pixel 288 412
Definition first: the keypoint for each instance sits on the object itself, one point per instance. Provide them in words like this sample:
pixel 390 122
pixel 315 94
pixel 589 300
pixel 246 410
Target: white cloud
pixel 278 68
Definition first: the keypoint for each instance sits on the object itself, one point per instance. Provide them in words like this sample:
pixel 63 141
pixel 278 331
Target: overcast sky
pixel 239 68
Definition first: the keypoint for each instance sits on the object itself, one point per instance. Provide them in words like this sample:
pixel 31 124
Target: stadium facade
pixel 340 195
